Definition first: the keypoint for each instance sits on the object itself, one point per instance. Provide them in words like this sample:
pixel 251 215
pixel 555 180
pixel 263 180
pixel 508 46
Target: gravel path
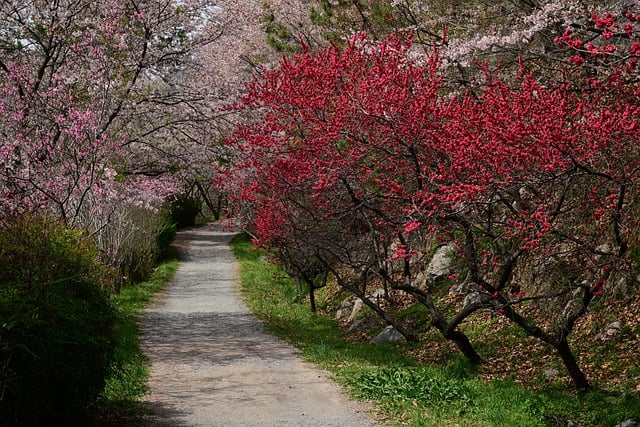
pixel 213 364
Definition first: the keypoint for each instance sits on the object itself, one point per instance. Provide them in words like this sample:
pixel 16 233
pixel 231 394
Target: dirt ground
pixel 212 362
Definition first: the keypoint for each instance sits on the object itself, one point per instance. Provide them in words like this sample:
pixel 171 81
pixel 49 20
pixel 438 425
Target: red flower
pixel 576 60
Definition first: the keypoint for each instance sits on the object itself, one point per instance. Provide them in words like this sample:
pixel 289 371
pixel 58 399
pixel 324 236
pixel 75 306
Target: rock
pixel 358 325
pixel 560 422
pixel 615 325
pixel 551 373
pixel 377 294
pixel 604 250
pixel 612 330
pixel 462 287
pixel 355 310
pixel 389 334
pixel 420 281
pixel 442 263
pixel 574 303
pixel 629 423
pixel 620 289
pixel 346 308
pixel 474 298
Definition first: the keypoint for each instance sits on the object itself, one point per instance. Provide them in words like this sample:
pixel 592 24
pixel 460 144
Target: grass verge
pixel 119 402
pixel 405 393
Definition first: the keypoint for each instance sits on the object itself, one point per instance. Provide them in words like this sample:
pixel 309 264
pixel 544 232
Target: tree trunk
pixel 577 376
pixel 447 329
pixel 312 298
pixel 464 345
pixel 299 286
pixel 203 194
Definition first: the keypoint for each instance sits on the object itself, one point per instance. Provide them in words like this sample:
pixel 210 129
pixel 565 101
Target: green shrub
pixel 166 235
pixel 56 337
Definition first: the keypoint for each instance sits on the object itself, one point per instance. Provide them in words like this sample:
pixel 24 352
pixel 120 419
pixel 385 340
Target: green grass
pixel 407 394
pixel 119 402
pixel 272 296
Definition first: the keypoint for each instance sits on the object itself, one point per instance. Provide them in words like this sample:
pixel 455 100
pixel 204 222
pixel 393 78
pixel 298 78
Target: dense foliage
pixel 56 337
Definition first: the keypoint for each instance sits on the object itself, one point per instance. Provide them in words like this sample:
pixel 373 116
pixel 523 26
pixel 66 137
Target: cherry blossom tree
pixel 83 85
pixel 104 108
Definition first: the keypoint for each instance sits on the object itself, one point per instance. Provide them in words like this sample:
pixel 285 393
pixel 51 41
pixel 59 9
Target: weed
pixel 420 384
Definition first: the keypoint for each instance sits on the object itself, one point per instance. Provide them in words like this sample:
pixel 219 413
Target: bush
pixel 133 241
pixel 184 210
pixel 166 235
pixel 56 324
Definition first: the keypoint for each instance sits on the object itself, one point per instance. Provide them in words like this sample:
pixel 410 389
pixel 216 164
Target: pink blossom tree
pixel 103 107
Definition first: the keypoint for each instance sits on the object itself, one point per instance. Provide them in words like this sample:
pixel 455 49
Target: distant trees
pixel 366 161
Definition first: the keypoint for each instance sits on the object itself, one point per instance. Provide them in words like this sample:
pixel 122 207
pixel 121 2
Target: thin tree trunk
pixel 559 343
pixel 464 345
pixel 203 193
pixel 576 374
pixel 447 329
pixel 312 298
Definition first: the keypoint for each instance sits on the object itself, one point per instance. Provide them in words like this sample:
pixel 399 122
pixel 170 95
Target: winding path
pixel 212 362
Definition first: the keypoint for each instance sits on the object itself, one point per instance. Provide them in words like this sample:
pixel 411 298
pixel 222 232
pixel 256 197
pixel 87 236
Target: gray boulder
pixel 346 308
pixel 442 263
pixel 355 310
pixel 475 298
pixel 612 330
pixel 389 334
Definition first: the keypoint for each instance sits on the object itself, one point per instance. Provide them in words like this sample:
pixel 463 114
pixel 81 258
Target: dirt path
pixel 213 364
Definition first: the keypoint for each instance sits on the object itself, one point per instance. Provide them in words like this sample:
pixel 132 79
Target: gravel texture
pixel 213 363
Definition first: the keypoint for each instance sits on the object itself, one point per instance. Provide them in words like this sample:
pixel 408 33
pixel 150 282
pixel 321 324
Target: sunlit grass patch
pixel 127 383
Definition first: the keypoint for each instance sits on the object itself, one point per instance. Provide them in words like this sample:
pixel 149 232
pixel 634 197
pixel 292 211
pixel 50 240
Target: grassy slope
pixel 433 394
pixel 130 371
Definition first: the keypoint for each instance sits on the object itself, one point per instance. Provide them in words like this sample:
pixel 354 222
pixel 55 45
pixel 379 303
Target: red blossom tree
pixel 337 157
pixel 361 155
